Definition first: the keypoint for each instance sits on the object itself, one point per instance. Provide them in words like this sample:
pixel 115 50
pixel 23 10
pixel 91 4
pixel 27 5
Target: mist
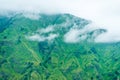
pixel 105 13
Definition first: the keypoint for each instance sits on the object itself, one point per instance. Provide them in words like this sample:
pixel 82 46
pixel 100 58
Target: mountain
pixel 55 47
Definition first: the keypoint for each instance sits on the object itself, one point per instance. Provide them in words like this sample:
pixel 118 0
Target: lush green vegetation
pixel 22 59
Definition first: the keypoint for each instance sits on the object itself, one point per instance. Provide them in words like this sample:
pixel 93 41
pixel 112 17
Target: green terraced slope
pixel 41 49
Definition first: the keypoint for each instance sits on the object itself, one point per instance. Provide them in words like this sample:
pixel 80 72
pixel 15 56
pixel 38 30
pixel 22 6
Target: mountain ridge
pixel 50 48
pixel 65 21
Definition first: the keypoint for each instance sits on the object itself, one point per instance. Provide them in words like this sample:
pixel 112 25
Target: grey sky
pixel 105 13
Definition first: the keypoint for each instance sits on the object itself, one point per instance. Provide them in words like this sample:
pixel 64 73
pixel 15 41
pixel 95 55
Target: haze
pixel 105 13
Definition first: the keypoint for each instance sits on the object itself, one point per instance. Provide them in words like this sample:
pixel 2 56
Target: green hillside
pixel 25 58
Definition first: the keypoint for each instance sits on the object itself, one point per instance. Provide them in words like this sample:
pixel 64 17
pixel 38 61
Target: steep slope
pixel 59 47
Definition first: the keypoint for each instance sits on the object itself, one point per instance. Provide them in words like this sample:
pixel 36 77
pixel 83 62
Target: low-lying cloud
pixel 39 35
pixel 39 38
pixel 75 35
pixel 105 13
pixel 32 16
pixel 48 29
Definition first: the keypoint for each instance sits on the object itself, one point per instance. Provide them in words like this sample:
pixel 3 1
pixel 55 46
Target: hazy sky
pixel 105 13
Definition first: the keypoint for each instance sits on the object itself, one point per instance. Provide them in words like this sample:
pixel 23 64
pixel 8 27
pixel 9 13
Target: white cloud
pixel 72 36
pixel 48 29
pixel 76 35
pixel 52 36
pixel 32 16
pixel 40 35
pixel 36 37
pixel 107 37
pixel 39 38
pixel 106 13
